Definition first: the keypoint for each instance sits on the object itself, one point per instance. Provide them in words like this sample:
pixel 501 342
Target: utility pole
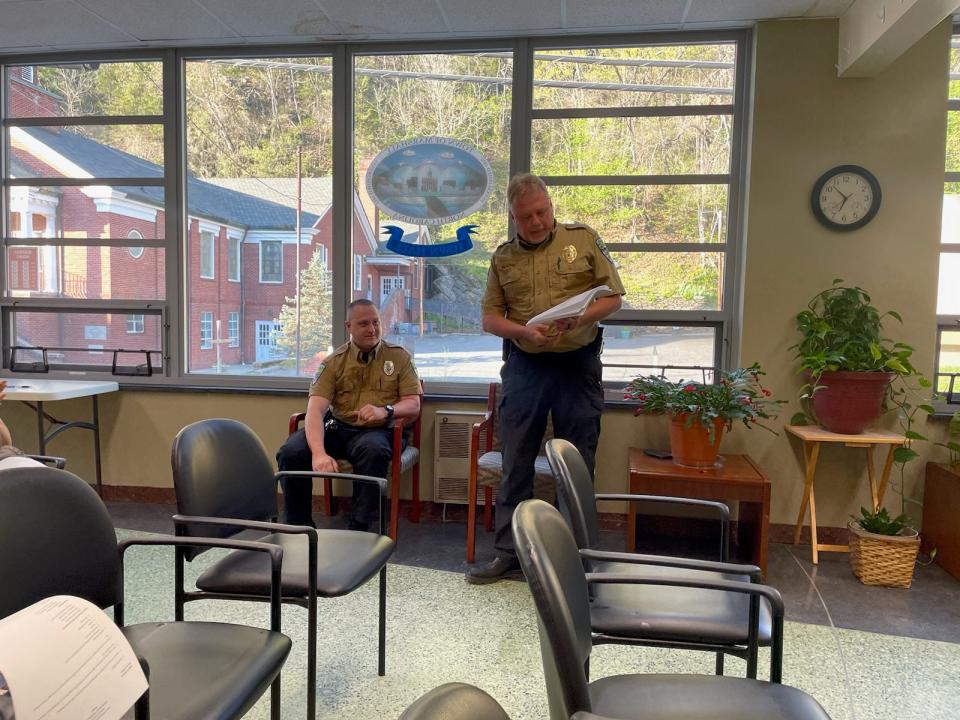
pixel 297 242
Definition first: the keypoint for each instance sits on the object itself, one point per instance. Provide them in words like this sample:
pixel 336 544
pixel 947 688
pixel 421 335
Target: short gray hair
pixel 522 184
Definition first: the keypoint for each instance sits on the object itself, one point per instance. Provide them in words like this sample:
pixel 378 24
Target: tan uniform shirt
pixel 388 375
pixel 525 281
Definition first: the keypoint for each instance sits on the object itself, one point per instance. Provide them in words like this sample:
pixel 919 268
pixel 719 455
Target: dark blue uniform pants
pixel 568 386
pixel 369 450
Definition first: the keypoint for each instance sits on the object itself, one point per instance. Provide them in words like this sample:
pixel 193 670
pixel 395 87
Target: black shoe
pixel 357 525
pixel 501 568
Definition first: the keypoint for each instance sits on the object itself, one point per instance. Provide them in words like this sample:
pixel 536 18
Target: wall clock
pixel 846 197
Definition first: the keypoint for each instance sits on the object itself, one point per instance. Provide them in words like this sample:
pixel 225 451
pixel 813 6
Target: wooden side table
pixel 738 478
pixel 812 437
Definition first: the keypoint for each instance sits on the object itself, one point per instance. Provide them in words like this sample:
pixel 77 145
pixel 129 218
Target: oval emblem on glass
pixel 429 180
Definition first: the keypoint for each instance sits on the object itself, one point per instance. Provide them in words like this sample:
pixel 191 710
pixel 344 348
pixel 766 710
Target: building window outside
pixel 233 259
pixel 136 251
pixel 134 324
pixel 358 272
pixel 206 330
pixel 233 328
pixel 207 255
pixel 390 283
pixel 271 261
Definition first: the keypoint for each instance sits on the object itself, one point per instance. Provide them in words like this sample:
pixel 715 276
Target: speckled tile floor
pixel 440 629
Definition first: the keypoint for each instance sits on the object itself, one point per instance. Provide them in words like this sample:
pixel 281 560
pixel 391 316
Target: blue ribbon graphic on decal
pixel 462 244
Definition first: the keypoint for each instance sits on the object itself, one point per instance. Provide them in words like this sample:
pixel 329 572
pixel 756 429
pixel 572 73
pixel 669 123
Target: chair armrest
pixel 485 425
pixel 274 551
pixel 754 590
pixel 275 527
pixel 52 460
pixel 722 510
pixel 381 483
pixel 294 423
pixel 752 571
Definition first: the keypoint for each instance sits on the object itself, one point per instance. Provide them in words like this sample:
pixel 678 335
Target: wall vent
pixel 451 463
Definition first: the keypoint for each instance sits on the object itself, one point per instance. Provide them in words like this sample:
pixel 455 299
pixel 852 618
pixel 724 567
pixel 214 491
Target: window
pixel 641 139
pixel 271 261
pixel 233 322
pixel 233 259
pixel 207 252
pixel 206 330
pixel 947 372
pixel 389 284
pixel 136 251
pixel 85 179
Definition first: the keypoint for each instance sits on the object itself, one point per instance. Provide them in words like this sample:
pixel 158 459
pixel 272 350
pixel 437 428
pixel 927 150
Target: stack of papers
pixel 572 307
pixel 63 659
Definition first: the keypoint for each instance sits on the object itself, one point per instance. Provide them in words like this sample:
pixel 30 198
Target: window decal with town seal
pixel 429 180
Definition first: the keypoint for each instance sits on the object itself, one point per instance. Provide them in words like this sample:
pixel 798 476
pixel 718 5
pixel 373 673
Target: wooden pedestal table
pixel 812 437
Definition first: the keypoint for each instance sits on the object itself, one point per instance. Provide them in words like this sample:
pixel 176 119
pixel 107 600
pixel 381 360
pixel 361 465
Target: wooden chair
pixel 406 459
pixel 486 468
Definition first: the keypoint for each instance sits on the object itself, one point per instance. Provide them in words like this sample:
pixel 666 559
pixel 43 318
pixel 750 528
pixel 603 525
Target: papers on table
pixel 63 659
pixel 572 307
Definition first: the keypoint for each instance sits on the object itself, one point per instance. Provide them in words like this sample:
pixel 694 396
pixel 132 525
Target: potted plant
pixel 852 370
pixel 700 412
pixel 883 550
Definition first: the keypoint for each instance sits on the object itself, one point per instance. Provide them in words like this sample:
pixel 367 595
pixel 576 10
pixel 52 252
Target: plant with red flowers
pixel 739 395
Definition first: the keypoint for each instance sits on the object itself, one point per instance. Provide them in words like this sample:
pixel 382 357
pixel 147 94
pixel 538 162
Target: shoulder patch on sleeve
pixel 602 246
pixel 319 372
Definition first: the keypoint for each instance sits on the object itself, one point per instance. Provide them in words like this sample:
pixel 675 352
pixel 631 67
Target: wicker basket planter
pixel 886 560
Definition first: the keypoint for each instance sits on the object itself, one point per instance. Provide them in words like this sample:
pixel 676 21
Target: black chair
pixel 226 485
pixel 689 618
pixel 455 701
pixel 552 564
pixel 57 538
pixel 53 461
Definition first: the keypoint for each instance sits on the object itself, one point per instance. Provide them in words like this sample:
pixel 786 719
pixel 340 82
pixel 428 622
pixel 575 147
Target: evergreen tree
pixel 316 312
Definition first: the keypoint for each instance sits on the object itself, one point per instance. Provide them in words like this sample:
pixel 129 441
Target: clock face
pixel 846 197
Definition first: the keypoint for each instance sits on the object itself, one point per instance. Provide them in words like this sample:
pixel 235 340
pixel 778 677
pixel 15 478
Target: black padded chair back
pixel 575 494
pixel 56 538
pixel 211 459
pixel 551 562
pixel 455 701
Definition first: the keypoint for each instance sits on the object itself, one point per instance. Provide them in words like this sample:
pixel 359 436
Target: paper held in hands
pixel 571 307
pixel 63 658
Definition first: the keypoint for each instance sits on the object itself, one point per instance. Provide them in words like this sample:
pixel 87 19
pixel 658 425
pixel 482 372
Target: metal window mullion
pixel 666 247
pixel 659 317
pixel 643 111
pixel 174 325
pixel 521 121
pixel 343 189
pixel 71 120
pixel 83 242
pixel 709 179
pixel 84 182
pixel 81 305
pixel 949 247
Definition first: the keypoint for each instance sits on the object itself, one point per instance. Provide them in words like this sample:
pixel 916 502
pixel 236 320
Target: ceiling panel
pixel 411 17
pixel 281 19
pixel 56 23
pixel 624 14
pixel 742 10
pixel 150 20
pixel 500 16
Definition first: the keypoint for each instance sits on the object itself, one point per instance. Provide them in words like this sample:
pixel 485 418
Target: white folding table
pixel 34 392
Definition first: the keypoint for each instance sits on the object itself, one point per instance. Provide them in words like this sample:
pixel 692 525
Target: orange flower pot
pixel 691 446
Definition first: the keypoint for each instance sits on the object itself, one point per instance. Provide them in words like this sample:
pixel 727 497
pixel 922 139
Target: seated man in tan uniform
pixel 366 384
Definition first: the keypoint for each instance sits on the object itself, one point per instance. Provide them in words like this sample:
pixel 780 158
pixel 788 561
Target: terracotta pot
pixel 850 401
pixel 691 446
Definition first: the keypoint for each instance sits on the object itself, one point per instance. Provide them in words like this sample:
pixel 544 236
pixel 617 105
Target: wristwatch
pixel 389 409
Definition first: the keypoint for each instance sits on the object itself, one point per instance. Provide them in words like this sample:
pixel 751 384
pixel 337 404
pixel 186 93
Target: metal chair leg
pixel 382 649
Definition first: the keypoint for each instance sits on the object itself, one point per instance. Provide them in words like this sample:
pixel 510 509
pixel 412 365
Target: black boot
pixel 500 568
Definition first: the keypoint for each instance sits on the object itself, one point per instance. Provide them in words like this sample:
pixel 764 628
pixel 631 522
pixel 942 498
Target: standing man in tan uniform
pixel 366 384
pixel 552 368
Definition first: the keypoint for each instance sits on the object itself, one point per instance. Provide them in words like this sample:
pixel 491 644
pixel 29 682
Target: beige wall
pixel 805 120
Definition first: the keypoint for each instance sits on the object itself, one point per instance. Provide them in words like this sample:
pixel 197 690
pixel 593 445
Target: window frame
pixel 263 245
pixel 234 258
pixel 210 257
pixel 205 324
pixel 175 338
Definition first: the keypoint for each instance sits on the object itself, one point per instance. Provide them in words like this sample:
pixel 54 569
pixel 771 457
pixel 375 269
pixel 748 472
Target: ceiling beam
pixel 874 33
